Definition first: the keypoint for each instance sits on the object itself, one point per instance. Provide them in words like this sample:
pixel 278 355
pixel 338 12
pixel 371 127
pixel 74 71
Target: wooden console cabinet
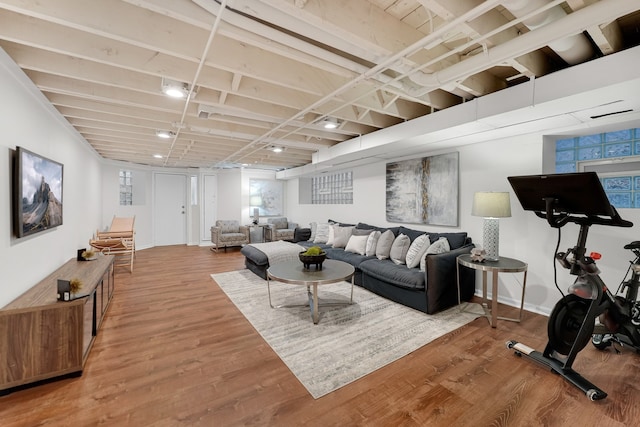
pixel 42 338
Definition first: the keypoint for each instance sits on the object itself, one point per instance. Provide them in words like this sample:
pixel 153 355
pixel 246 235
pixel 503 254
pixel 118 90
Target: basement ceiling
pixel 265 74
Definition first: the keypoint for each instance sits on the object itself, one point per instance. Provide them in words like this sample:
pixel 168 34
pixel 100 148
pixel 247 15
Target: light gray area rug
pixel 349 342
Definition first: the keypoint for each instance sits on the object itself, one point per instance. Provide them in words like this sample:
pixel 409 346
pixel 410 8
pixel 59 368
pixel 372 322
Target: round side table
pixel 503 265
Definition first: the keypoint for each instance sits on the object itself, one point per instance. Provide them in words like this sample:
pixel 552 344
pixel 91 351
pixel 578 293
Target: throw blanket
pixel 279 251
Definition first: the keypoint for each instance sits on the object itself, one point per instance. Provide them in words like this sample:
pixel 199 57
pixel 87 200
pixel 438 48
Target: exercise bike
pixel 579 198
pixel 626 334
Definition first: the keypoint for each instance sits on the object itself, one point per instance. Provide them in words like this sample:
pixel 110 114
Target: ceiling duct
pixel 572 49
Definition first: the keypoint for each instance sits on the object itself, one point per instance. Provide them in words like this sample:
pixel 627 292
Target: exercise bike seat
pixel 633 245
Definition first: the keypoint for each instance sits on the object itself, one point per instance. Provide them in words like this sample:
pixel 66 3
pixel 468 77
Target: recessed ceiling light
pixel 165 134
pixel 277 149
pixel 157 156
pixel 330 123
pixel 174 89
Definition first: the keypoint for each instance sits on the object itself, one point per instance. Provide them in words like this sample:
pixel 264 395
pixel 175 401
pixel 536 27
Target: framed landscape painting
pixel 423 191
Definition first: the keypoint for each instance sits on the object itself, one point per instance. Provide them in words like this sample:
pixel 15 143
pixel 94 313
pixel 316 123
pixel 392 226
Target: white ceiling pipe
pixel 573 49
pixel 603 11
pixel 477 11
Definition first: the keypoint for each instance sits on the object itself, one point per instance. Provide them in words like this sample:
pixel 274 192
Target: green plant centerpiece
pixel 313 256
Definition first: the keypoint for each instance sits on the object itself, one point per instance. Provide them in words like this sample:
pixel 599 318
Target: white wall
pixel 143 211
pixel 28 120
pixel 485 167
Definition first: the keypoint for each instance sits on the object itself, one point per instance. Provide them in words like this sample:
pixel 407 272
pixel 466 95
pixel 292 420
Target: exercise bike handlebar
pixel 557 220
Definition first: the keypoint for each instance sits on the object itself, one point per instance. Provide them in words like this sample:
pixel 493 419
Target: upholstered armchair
pixel 228 233
pixel 279 229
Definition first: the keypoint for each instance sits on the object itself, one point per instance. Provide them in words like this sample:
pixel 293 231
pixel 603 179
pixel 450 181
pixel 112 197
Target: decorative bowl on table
pixel 309 260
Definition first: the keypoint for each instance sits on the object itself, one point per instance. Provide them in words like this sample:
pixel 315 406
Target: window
pixel 336 189
pixel 126 188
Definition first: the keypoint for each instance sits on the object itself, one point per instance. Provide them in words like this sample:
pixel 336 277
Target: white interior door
pixel 170 209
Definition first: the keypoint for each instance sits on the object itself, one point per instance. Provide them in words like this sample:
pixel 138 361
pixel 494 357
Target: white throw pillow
pixel 417 250
pixel 322 233
pixel 357 244
pixel 332 233
pixel 440 246
pixel 372 243
pixel 399 249
pixel 384 244
pixel 314 227
pixel 341 236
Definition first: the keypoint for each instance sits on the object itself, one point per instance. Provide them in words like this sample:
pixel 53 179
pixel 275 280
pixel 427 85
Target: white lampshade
pixel 491 205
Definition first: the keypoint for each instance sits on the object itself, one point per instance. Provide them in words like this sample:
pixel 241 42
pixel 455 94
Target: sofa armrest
pixel 244 229
pixel 442 288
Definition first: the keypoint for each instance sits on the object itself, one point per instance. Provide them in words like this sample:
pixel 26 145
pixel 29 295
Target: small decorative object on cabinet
pixel 41 338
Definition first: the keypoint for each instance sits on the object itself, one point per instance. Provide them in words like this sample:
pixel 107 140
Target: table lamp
pixel 491 205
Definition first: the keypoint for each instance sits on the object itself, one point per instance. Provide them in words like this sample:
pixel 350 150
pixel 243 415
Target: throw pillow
pixel 417 250
pixel 341 236
pixel 372 243
pixel 314 227
pixel 332 233
pixel 440 246
pixel 384 244
pixel 357 244
pixel 399 249
pixel 322 233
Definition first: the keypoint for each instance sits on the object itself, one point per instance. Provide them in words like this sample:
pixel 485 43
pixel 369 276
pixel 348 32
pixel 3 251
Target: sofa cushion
pixel 372 243
pixel 384 244
pixel 357 244
pixel 440 246
pixel 399 249
pixel 341 236
pixel 456 240
pixel 417 250
pixel 413 234
pixel 360 232
pixel 396 275
pixel 349 257
pixel 313 226
pixel 322 233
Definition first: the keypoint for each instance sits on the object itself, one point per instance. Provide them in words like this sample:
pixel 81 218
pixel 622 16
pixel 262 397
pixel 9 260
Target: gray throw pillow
pixel 440 246
pixel 399 249
pixel 384 244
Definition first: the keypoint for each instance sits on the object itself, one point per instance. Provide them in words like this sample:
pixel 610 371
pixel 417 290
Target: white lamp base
pixel 491 238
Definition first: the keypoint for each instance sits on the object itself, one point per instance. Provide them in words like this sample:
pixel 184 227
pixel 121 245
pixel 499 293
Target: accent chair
pixel 228 233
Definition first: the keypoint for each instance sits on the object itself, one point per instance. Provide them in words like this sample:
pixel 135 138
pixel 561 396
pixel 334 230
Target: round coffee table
pixel 294 273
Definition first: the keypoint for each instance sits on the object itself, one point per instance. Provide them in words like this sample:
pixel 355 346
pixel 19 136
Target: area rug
pixel 349 341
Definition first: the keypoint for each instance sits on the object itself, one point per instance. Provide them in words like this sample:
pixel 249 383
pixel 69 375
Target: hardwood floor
pixel 173 350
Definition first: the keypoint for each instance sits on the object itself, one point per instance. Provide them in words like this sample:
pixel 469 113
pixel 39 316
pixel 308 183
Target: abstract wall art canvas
pixel 267 196
pixel 423 191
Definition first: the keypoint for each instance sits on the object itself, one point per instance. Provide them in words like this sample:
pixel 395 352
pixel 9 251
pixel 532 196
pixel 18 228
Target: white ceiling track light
pixel 164 134
pixel 174 88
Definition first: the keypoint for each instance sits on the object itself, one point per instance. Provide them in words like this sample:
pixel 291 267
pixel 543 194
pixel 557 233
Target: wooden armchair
pixel 118 241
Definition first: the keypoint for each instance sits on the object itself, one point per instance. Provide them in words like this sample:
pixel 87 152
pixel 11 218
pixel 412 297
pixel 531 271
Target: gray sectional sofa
pixel 430 291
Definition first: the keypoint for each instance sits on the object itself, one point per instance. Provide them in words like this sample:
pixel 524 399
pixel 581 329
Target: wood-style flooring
pixel 174 351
